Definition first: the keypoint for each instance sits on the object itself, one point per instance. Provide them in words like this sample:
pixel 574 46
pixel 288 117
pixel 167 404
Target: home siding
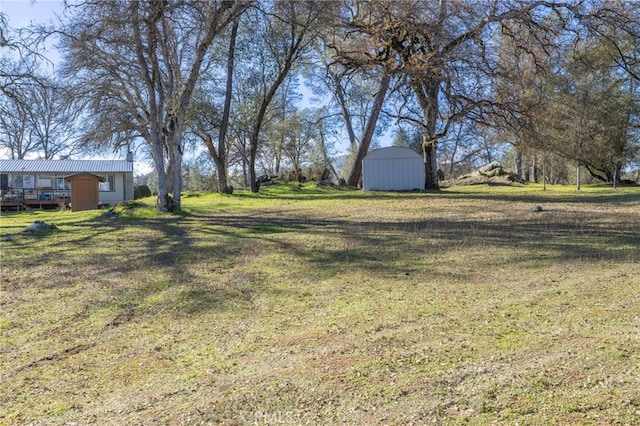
pixel 119 194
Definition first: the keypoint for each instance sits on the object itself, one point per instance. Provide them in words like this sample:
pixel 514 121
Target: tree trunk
pixel 245 167
pixel 356 171
pixel 430 164
pixel 157 153
pixel 325 155
pixel 254 185
pixel 163 192
pixel 346 116
pixel 518 164
pixel 221 158
pixel 427 91
pixel 278 160
pixel 544 173
pixel 578 177
pixel 533 171
pixel 616 175
pixel 176 173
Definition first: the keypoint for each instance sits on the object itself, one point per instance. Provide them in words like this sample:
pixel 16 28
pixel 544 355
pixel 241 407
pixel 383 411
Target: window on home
pixel 45 182
pixel 28 181
pixel 15 181
pixel 108 185
pixel 62 185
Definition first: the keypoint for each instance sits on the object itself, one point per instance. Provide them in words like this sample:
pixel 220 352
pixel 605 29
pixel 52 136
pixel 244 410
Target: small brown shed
pixel 84 191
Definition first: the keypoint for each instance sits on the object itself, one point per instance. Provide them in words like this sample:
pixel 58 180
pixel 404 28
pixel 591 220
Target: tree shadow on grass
pixel 309 192
pixel 200 264
pixel 611 196
pixel 176 246
pixel 218 246
pixel 562 235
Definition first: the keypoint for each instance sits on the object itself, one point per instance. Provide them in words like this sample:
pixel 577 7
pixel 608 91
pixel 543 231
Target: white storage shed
pixel 392 169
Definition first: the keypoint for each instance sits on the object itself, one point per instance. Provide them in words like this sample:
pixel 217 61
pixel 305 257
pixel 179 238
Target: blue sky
pixel 22 12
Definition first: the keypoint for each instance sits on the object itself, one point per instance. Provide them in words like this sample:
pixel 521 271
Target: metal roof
pixel 392 152
pixel 66 166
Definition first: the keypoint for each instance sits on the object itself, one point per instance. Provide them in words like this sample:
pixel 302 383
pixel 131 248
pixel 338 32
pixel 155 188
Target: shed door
pixel 86 193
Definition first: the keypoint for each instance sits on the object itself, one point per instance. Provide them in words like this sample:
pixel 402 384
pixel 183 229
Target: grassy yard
pixel 327 306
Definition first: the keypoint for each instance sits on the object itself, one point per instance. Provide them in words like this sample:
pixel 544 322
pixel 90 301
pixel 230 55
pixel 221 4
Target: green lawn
pixel 327 306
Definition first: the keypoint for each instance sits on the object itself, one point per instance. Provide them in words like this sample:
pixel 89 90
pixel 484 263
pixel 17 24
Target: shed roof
pixel 392 152
pixel 66 166
pixel 72 177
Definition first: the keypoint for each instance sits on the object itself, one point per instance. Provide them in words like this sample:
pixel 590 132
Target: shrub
pixel 141 191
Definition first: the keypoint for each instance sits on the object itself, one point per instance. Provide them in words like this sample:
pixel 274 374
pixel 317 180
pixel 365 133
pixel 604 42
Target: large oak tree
pixel 136 63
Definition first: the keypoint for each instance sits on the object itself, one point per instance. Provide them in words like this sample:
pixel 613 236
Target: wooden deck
pixel 33 204
pixel 34 198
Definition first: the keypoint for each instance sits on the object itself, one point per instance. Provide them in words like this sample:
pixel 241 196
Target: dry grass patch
pixel 327 306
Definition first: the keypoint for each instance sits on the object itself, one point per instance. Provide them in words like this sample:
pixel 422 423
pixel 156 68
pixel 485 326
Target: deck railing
pixel 34 197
